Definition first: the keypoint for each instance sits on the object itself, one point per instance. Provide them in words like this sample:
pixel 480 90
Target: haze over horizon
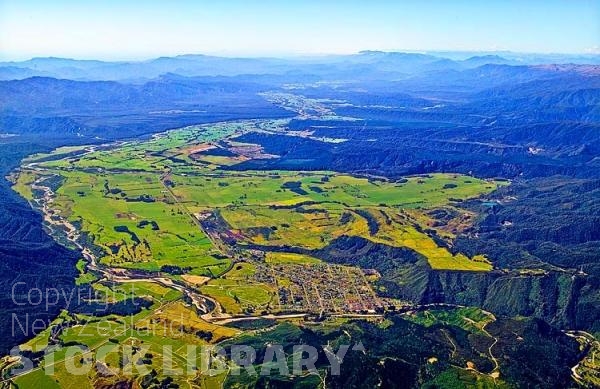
pixel 111 30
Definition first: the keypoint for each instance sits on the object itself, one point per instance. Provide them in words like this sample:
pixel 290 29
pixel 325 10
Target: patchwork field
pixel 139 202
pixel 239 292
pixel 113 346
pixel 203 241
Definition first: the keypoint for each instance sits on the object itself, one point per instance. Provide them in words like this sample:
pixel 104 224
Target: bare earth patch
pixel 195 280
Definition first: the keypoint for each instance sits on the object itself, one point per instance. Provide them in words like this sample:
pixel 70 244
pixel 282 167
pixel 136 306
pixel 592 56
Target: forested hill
pixel 29 258
pixel 48 107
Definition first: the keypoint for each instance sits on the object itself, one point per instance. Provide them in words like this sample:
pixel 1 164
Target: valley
pixel 201 243
pixel 440 221
pixel 162 206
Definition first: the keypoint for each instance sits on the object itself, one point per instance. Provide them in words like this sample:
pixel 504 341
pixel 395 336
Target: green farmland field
pixel 138 202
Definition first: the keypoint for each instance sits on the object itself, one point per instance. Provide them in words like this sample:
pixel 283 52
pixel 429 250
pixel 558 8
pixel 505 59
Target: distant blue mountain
pixel 364 65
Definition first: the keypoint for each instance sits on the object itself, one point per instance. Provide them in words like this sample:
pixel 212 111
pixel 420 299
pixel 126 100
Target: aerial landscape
pixel 357 204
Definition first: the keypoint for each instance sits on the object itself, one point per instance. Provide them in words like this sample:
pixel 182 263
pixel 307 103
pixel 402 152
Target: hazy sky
pixel 121 29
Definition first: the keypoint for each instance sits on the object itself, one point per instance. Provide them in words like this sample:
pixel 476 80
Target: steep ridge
pixel 31 263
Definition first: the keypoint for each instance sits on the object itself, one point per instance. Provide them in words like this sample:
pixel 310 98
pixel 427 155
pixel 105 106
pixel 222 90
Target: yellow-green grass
pixel 181 320
pixel 206 381
pixel 458 262
pixel 590 365
pixel 290 258
pixel 57 153
pixel 176 244
pixel 289 227
pixel 84 277
pixel 40 341
pixel 38 379
pixel 23 184
pixel 234 296
pixel 401 233
pixel 62 377
pixel 235 290
pixel 241 271
pixel 469 318
pixel 95 333
pixel 438 257
pixel 173 324
pixel 316 230
pixel 179 240
pixel 218 160
pixel 137 155
pixel 244 199
pixel 260 188
pixel 147 341
pixel 129 290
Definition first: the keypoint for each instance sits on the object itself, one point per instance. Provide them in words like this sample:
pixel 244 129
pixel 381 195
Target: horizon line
pixel 290 55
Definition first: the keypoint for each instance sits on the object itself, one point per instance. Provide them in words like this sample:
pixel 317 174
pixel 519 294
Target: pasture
pixel 138 203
